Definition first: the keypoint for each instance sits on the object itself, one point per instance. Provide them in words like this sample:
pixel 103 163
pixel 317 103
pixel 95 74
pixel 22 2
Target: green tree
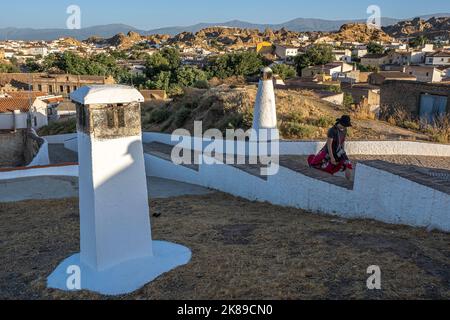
pixel 418 42
pixel 96 65
pixel 161 81
pixel 188 76
pixel 284 71
pixel 156 64
pixel 375 48
pixel 166 61
pixel 33 66
pixel 316 55
pixel 235 64
pixel 8 68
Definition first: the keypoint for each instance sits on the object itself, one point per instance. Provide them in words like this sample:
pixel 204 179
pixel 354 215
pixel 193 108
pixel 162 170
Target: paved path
pixel 46 188
pixel 58 154
pixel 433 172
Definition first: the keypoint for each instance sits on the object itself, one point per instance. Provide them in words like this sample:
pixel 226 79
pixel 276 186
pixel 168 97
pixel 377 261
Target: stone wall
pixel 12 146
pixel 19 148
pixel 407 94
pixel 32 145
pixel 373 98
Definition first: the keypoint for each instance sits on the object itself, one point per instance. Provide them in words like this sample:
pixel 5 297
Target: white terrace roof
pixel 106 94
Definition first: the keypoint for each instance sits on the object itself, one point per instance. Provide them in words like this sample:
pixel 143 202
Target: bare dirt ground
pixel 241 250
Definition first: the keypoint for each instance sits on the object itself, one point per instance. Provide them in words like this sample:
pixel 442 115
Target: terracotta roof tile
pixel 18 101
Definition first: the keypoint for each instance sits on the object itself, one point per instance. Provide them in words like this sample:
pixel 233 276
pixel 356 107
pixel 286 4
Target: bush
pixel 438 130
pixel 202 84
pixel 323 122
pixel 335 89
pixel 59 127
pixel 294 117
pixel 284 71
pixel 175 90
pixel 348 100
pixel 412 125
pixel 159 115
pixel 181 116
pixel 232 121
pixel 8 68
pixel 297 130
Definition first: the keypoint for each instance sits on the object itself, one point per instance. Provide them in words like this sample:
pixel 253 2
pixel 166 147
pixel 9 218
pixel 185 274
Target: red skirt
pixel 322 162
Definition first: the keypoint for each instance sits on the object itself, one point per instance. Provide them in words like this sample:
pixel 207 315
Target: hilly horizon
pixel 109 30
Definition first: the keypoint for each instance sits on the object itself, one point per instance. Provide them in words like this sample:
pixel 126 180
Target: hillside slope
pixel 301 115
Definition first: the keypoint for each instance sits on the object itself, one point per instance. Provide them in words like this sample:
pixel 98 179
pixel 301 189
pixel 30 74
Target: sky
pixel 150 14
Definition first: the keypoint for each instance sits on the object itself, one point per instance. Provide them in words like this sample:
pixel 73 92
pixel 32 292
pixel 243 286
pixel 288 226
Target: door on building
pixel 432 106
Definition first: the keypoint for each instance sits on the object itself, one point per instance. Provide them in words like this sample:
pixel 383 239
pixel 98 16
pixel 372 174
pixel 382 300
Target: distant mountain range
pixel 106 31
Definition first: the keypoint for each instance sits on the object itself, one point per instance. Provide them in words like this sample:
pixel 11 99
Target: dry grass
pixel 399 115
pixel 241 250
pixel 301 114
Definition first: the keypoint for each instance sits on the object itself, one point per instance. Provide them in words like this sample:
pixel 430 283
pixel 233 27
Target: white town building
pixel 441 58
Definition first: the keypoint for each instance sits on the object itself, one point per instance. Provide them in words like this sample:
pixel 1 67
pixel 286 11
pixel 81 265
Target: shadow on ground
pixel 241 250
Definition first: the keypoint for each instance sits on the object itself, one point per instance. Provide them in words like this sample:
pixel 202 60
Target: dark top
pixel 338 137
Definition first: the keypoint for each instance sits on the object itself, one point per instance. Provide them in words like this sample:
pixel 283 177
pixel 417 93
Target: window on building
pixel 61 89
pixel 39 87
pixel 50 89
pixel 68 89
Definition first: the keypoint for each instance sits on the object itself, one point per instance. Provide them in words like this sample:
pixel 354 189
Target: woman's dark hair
pixel 346 121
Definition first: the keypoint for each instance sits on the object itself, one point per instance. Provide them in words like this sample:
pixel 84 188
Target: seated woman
pixel 333 158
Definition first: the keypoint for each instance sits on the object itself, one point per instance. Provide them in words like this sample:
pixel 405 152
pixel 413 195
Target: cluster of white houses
pixel 424 65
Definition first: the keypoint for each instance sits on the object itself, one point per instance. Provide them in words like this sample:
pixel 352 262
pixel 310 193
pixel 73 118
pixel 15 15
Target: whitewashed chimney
pixel 115 233
pixel 113 186
pixel 265 113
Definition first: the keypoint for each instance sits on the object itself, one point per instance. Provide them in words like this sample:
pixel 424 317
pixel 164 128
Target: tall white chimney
pixel 117 253
pixel 265 113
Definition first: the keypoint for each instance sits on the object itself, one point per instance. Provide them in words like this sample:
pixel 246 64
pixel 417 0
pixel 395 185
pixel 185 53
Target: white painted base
pixel 126 277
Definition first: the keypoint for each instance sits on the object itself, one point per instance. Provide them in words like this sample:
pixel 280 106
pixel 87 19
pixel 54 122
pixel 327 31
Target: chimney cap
pixel 266 73
pixel 106 94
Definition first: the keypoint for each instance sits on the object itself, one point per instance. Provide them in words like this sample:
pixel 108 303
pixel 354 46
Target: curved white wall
pixel 41 158
pixel 312 147
pixel 69 171
pixel 376 195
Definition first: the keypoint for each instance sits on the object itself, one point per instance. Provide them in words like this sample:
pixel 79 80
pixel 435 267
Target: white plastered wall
pixel 376 194
pixel 118 195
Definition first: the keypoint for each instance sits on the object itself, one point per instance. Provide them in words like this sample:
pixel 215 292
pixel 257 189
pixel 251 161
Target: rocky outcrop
pixel 432 28
pixel 357 32
pixel 208 38
pixel 126 41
